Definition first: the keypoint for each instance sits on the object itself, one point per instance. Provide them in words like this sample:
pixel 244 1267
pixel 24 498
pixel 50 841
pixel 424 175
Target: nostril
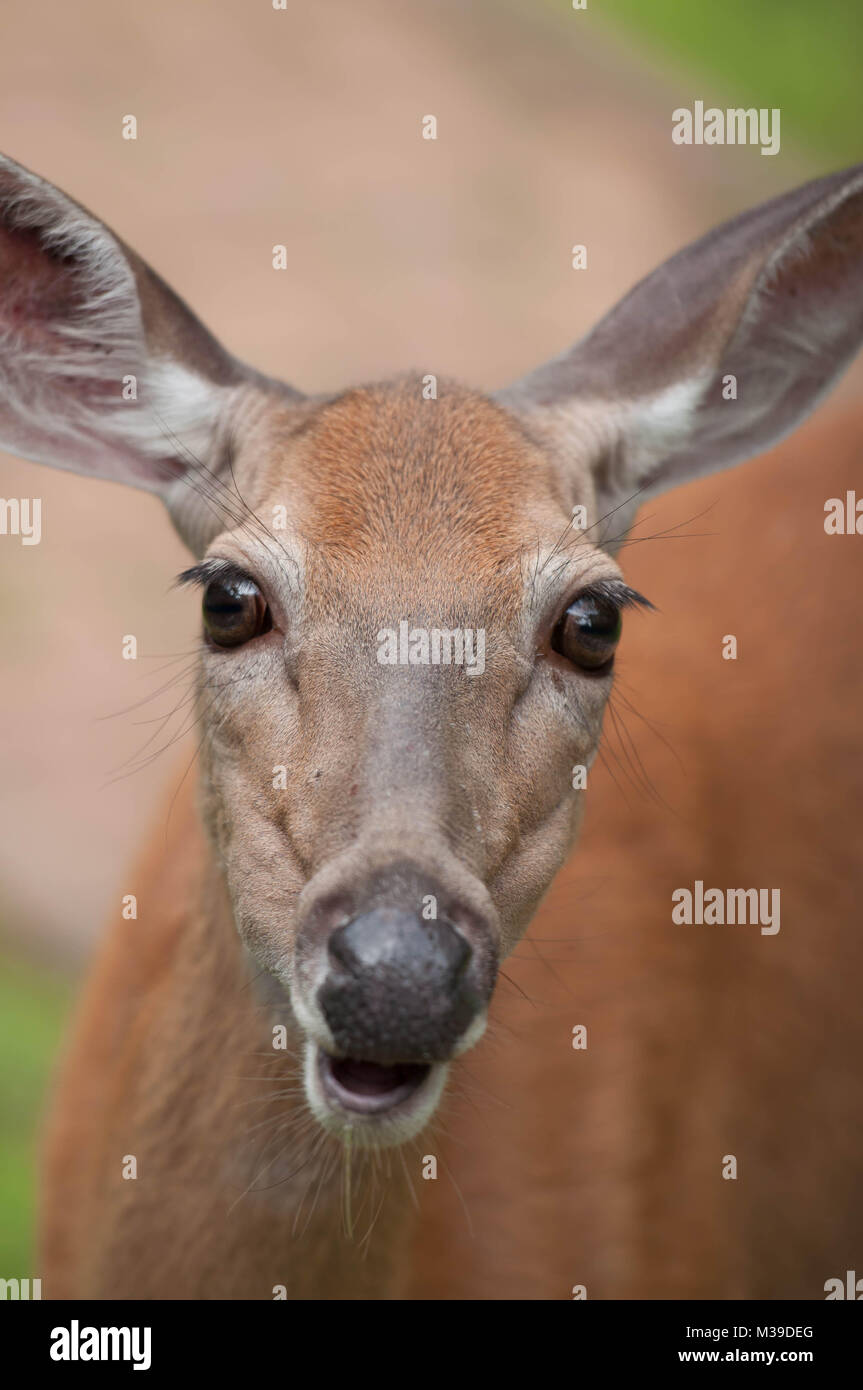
pixel 367 942
pixel 454 949
pixel 345 948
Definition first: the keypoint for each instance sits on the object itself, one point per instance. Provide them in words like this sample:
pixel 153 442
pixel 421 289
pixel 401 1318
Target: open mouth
pixel 379 1105
pixel 369 1088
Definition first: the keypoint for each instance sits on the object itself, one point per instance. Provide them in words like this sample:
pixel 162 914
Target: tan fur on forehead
pixel 384 471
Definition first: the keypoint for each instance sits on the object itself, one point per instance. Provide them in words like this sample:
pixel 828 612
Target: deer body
pixel 265 1068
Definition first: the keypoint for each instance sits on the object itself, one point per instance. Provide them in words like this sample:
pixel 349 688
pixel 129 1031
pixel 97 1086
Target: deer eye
pixel 234 611
pixel 588 632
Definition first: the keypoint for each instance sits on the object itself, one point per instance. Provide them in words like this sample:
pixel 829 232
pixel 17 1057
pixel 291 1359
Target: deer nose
pixel 399 988
pixel 434 954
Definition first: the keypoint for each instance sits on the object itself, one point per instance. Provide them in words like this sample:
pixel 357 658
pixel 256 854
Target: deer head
pixel 408 632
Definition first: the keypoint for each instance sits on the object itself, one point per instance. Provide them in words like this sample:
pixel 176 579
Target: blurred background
pixel 302 126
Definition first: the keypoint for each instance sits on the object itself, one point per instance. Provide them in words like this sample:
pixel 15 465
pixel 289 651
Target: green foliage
pixel 33 1011
pixel 801 57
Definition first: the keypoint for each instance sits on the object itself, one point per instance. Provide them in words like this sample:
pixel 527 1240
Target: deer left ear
pixel 103 369
pixel 716 355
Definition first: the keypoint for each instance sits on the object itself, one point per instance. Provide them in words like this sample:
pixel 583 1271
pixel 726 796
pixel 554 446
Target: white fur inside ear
pixel 78 382
pixel 627 437
pixel 657 425
pixel 178 409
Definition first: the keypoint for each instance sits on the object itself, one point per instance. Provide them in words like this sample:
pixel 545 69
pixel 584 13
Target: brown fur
pixel 557 1167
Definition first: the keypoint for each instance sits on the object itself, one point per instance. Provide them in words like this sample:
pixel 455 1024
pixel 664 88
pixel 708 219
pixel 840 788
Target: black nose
pixel 399 988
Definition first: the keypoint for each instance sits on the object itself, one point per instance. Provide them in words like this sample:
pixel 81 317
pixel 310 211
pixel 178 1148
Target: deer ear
pixel 717 354
pixel 102 368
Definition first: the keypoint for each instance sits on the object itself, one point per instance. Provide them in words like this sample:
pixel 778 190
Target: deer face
pixel 408 645
pixel 396 686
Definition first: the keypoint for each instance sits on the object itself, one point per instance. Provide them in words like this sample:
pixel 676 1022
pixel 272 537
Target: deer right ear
pixel 102 368
pixel 716 355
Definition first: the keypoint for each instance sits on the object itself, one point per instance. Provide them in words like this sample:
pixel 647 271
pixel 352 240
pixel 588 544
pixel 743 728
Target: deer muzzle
pixel 391 983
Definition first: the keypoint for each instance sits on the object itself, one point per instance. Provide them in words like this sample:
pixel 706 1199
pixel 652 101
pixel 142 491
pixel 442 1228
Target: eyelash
pixel 208 570
pixel 615 591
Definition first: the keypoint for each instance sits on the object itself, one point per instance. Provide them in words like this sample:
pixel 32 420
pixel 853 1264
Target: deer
pixel 268 1089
